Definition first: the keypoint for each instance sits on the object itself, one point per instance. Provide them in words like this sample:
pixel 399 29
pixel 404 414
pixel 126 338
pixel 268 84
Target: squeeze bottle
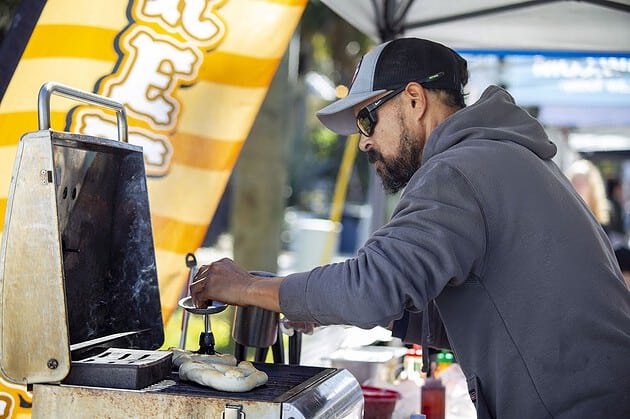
pixel 432 402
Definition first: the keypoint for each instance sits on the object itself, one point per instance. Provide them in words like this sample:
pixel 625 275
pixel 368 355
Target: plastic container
pixel 444 360
pixel 379 403
pixel 432 399
pixel 412 369
pixel 374 363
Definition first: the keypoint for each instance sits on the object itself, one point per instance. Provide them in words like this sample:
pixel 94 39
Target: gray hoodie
pixel 521 274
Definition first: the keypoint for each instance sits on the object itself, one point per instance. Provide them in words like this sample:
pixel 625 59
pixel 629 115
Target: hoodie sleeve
pixel 436 238
pixel 409 328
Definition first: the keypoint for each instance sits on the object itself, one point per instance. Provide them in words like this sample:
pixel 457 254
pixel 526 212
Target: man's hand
pixel 288 327
pixel 228 283
pixel 222 281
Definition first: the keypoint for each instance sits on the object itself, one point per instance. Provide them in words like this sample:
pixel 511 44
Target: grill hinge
pixel 233 411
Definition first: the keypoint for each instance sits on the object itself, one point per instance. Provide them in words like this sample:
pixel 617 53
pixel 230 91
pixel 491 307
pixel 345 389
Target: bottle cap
pixel 432 382
pixel 445 357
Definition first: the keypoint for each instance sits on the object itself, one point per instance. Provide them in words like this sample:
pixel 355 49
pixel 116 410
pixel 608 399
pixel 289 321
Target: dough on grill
pixel 239 378
pixel 180 356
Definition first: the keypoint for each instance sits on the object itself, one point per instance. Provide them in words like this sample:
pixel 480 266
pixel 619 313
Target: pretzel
pixel 240 378
pixel 180 356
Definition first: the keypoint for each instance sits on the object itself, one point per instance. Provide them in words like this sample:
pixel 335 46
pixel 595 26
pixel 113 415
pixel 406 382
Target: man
pixel 489 237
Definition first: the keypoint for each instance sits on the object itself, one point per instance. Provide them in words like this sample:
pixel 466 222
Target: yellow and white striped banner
pixel 192 75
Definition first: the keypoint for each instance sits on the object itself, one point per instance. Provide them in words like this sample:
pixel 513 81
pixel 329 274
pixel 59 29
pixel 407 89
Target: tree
pixel 283 149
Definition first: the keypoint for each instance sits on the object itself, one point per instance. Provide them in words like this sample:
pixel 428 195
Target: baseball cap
pixel 389 66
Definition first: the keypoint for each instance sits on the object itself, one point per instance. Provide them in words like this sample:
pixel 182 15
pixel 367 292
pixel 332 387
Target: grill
pixel 291 392
pixel 80 319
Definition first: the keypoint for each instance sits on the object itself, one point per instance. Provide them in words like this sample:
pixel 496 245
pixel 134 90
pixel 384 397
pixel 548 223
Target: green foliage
pixel 324 141
pixel 331 47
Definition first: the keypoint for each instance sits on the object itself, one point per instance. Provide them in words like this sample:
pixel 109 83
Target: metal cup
pixel 254 326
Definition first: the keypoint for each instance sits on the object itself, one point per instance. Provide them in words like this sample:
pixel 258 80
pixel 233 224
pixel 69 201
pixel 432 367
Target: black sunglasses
pixel 366 118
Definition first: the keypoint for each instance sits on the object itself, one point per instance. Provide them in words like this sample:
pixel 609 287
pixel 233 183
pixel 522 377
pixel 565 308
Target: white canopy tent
pixel 496 25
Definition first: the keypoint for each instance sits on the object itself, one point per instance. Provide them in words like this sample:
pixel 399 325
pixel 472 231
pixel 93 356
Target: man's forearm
pixel 264 292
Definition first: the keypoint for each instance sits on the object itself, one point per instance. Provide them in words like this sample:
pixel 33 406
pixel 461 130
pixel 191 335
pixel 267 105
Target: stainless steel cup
pixel 255 326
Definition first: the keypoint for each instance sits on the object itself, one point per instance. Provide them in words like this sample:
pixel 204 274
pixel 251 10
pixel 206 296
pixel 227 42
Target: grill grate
pixel 284 382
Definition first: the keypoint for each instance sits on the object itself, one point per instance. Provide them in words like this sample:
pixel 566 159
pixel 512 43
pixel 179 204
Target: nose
pixel 365 143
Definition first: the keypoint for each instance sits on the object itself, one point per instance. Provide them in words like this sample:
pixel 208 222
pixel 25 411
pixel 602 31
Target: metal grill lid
pixel 77 263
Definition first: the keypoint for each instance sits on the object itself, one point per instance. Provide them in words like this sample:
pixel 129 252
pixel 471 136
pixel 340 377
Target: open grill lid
pixel 77 262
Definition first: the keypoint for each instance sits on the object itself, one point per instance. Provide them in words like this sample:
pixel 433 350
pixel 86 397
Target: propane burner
pixel 206 338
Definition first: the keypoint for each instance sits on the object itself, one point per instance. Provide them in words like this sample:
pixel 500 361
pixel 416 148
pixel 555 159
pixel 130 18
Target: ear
pixel 416 98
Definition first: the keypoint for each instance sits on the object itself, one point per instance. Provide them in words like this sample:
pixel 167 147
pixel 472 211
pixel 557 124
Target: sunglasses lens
pixel 364 123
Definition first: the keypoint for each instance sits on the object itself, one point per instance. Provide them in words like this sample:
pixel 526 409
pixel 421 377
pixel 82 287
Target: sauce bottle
pixel 432 399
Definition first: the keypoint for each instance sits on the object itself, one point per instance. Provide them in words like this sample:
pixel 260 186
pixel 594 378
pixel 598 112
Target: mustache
pixel 374 156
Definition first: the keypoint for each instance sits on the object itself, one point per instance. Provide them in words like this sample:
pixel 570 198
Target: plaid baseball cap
pixel 389 66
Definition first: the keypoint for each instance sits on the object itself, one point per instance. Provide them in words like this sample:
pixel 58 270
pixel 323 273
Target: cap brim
pixel 339 116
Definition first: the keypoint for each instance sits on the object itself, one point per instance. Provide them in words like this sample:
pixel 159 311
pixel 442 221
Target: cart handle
pixel 46 91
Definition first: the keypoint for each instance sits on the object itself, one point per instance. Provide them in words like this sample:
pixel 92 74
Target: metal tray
pixel 121 368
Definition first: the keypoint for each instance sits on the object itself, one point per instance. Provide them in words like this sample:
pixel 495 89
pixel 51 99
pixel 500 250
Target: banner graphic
pixel 192 75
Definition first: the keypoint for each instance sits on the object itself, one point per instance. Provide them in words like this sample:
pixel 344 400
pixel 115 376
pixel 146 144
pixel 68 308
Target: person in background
pixel 589 183
pixel 623 258
pixel 615 199
pixel 490 251
pixel 616 227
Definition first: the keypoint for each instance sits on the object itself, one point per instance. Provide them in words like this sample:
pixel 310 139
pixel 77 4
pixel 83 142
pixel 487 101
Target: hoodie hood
pixel 493 117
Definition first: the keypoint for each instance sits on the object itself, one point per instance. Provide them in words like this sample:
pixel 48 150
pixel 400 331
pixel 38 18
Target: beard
pixel 396 172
